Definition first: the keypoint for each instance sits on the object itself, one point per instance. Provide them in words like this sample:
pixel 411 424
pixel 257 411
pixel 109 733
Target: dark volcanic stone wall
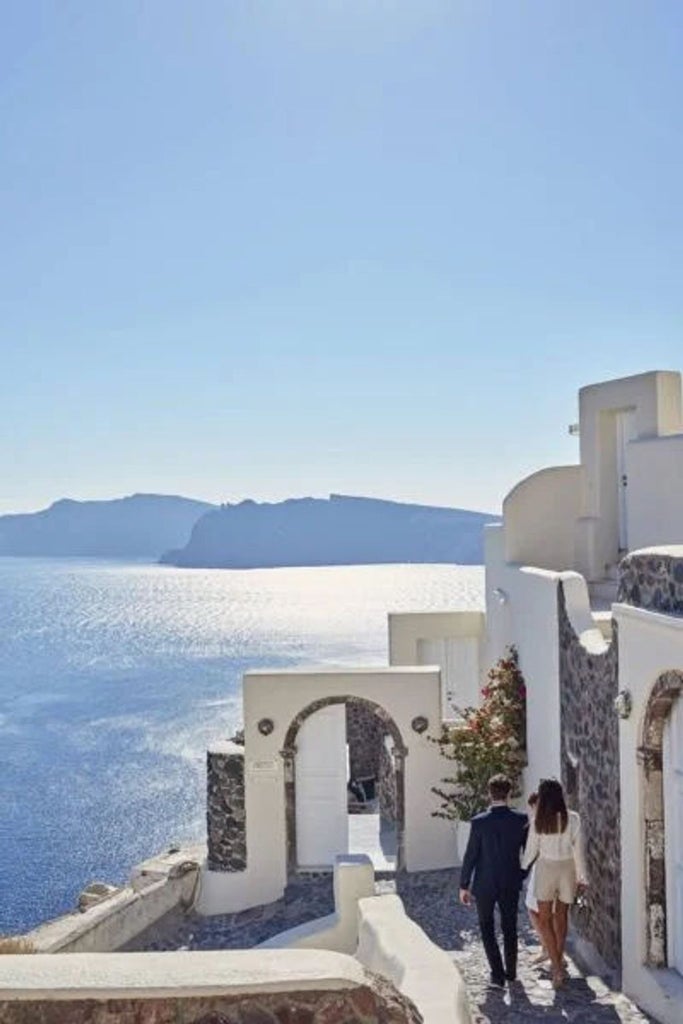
pixel 226 819
pixel 365 737
pixel 388 794
pixel 652 580
pixel 590 773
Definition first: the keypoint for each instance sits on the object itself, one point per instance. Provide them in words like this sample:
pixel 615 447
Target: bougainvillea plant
pixel 485 741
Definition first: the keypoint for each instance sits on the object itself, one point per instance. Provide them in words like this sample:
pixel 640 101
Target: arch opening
pixel 658 834
pixel 386 727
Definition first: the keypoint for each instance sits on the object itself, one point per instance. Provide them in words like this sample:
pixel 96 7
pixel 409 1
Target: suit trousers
pixel 507 906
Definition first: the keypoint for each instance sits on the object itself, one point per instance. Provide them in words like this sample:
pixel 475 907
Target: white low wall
pixel 157 887
pixel 354 879
pixel 80 976
pixel 649 644
pixel 391 944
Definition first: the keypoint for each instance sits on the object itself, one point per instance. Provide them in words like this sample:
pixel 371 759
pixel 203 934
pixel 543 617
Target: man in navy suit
pixel 492 858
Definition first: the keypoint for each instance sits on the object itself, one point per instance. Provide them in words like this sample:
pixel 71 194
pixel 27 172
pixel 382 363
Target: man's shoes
pixel 497 982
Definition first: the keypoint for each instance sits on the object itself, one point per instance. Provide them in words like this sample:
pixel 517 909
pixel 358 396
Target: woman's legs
pixel 547 932
pixel 533 917
pixel 560 922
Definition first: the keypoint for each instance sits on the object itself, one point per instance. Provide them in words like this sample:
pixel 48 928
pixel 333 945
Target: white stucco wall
pixel 649 644
pixel 405 693
pixel 159 885
pixel 408 632
pixel 540 516
pixel 391 944
pixel 521 603
pixel 354 879
pixel 656 400
pixel 655 491
pixel 80 976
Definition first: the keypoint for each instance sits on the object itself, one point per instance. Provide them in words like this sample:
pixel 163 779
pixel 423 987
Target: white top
pixel 557 846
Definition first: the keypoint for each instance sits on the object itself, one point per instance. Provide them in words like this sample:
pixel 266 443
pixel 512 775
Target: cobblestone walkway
pixel 430 898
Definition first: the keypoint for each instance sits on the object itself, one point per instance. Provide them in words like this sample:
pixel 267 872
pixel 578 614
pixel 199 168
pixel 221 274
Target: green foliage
pixel 485 741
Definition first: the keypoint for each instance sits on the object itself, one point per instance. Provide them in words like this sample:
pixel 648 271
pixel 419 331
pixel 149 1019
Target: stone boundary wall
pixel 589 727
pixel 365 737
pixel 653 579
pixel 388 795
pixel 226 817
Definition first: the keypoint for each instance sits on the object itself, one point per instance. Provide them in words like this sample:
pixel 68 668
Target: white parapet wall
pixel 237 985
pixel 354 879
pixel 158 886
pixel 392 944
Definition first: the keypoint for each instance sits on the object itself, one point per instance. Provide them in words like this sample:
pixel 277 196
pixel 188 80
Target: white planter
pixel 463 829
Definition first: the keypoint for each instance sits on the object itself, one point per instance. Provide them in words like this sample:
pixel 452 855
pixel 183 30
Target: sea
pixel 116 676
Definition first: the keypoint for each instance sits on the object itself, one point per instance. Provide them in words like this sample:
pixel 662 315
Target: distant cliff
pixel 143 525
pixel 338 531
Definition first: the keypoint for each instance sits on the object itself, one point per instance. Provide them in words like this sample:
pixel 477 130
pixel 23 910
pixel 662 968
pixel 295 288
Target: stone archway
pixel 667 689
pixel 288 754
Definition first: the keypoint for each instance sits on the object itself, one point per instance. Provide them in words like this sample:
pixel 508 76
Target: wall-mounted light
pixel 500 595
pixel 573 429
pixel 623 703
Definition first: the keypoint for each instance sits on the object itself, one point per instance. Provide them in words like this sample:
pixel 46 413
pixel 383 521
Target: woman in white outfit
pixel 555 845
pixel 530 900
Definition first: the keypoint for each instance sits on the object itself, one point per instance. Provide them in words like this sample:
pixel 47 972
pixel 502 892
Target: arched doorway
pixel 661 760
pixel 289 752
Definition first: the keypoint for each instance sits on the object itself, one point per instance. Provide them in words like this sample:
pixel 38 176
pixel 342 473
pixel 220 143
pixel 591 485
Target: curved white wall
pixel 539 517
pixel 391 944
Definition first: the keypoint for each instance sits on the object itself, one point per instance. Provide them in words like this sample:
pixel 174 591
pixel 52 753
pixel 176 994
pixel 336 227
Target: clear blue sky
pixel 292 246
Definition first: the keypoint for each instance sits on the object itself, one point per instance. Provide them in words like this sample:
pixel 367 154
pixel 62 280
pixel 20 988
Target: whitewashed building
pixel 585 577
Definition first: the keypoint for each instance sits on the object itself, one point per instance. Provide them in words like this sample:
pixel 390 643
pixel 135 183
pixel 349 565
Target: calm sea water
pixel 115 677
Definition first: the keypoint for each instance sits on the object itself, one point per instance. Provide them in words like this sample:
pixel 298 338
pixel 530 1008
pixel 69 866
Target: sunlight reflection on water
pixel 115 677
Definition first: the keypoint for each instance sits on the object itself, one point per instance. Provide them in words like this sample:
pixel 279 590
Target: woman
pixel 555 844
pixel 530 898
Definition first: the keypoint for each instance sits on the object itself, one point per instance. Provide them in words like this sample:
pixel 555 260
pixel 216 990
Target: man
pixel 493 858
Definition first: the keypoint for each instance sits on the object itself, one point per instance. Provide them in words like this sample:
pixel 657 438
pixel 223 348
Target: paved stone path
pixel 430 898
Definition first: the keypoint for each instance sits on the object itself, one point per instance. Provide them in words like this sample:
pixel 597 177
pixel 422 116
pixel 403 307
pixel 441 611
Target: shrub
pixel 486 741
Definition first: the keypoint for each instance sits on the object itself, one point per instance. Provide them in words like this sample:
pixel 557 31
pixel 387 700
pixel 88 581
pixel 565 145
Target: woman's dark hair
pixel 533 799
pixel 551 809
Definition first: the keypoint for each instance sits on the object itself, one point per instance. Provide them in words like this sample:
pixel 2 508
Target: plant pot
pixel 463 829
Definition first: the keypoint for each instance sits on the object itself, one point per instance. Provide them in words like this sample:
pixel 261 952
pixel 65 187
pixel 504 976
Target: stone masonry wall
pixel 652 580
pixel 365 737
pixel 378 1002
pixel 388 795
pixel 226 820
pixel 590 774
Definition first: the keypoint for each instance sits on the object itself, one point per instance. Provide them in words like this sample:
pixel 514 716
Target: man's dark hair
pixel 499 787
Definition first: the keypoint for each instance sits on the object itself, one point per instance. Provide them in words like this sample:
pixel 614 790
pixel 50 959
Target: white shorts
pixel 530 899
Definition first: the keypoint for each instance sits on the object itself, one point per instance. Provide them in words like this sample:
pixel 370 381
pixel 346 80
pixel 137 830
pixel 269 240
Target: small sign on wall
pixel 263 768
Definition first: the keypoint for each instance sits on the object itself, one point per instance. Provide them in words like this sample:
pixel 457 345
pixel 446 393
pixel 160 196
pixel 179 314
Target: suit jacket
pixel 493 852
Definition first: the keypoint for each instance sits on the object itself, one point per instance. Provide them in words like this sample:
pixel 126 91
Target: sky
pixel 269 248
